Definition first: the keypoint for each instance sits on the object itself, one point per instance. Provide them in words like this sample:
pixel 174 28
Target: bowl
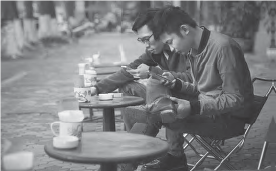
pixel 108 96
pixel 65 142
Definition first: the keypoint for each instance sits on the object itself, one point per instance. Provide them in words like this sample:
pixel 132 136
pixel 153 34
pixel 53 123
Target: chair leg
pixel 214 152
pixel 228 155
pixel 262 154
pixel 200 161
pixel 190 145
pixel 203 156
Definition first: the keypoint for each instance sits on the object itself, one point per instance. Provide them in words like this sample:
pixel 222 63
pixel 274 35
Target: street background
pixel 39 72
pixel 29 103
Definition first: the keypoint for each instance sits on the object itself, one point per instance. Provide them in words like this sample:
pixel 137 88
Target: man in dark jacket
pixel 221 80
pixel 159 58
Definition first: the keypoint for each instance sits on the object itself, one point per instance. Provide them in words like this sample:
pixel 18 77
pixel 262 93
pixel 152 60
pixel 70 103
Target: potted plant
pixel 240 20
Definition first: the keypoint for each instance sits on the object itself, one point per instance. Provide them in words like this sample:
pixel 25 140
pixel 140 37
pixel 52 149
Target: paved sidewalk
pixel 29 103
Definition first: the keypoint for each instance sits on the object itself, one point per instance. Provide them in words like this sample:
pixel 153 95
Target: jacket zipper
pixel 193 67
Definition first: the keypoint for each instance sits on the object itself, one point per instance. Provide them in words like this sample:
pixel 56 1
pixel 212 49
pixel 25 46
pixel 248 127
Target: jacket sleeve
pixel 114 81
pixel 231 97
pixel 184 76
pixel 122 77
pixel 186 87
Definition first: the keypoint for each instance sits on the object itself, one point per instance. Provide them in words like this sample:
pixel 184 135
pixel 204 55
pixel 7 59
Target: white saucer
pixel 65 142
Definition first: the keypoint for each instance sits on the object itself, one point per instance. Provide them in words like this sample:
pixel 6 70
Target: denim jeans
pixel 137 114
pixel 218 127
pixel 134 89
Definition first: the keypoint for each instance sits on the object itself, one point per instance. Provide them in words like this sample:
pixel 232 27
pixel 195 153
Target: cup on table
pixel 83 94
pixel 13 158
pixel 68 129
pixel 90 78
pixel 83 67
pixel 21 160
pixel 89 60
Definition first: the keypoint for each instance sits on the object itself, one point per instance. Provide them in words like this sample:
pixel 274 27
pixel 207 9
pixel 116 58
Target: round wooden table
pixel 110 148
pixel 108 108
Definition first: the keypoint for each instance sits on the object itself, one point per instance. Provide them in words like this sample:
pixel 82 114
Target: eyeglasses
pixel 145 40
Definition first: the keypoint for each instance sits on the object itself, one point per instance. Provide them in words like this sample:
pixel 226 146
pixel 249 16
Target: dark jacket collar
pixel 204 39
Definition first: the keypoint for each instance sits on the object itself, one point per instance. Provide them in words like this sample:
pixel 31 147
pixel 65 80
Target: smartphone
pixel 126 67
pixel 160 77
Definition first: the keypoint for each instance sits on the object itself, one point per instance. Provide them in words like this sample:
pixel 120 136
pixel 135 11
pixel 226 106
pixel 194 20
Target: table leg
pixel 91 113
pixel 108 119
pixel 108 167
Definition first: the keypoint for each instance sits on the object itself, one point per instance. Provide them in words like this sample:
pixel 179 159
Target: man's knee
pixel 135 113
pixel 133 89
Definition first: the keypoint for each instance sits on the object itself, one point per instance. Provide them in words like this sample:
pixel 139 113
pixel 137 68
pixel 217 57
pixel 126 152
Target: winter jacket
pixel 220 76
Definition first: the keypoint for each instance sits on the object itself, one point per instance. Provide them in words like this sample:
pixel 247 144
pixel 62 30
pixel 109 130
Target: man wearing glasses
pixel 157 58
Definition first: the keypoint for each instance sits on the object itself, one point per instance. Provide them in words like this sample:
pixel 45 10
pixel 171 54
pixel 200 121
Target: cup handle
pixel 53 129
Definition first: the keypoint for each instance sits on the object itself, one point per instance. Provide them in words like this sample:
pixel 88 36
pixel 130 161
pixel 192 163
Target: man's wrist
pixel 97 90
pixel 177 85
pixel 195 107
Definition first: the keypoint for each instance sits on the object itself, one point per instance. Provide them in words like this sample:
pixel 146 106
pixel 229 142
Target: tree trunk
pixel 89 10
pixel 13 32
pixel 144 5
pixel 70 12
pixel 30 31
pixel 47 19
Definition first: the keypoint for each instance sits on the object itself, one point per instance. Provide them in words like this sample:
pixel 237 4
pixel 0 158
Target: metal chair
pixel 213 147
pixel 267 139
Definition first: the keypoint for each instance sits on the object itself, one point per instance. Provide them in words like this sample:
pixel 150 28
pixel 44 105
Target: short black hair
pixel 169 19
pixel 145 18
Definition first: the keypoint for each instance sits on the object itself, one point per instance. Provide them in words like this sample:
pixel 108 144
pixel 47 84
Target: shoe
pixel 167 163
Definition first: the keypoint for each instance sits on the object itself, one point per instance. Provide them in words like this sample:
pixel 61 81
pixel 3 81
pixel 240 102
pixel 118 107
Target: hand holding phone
pixel 165 80
pixel 140 72
pixel 160 77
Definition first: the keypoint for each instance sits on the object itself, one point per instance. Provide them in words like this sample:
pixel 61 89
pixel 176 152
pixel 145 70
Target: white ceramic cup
pixel 68 129
pixel 83 94
pixel 82 67
pixel 89 79
pixel 22 160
